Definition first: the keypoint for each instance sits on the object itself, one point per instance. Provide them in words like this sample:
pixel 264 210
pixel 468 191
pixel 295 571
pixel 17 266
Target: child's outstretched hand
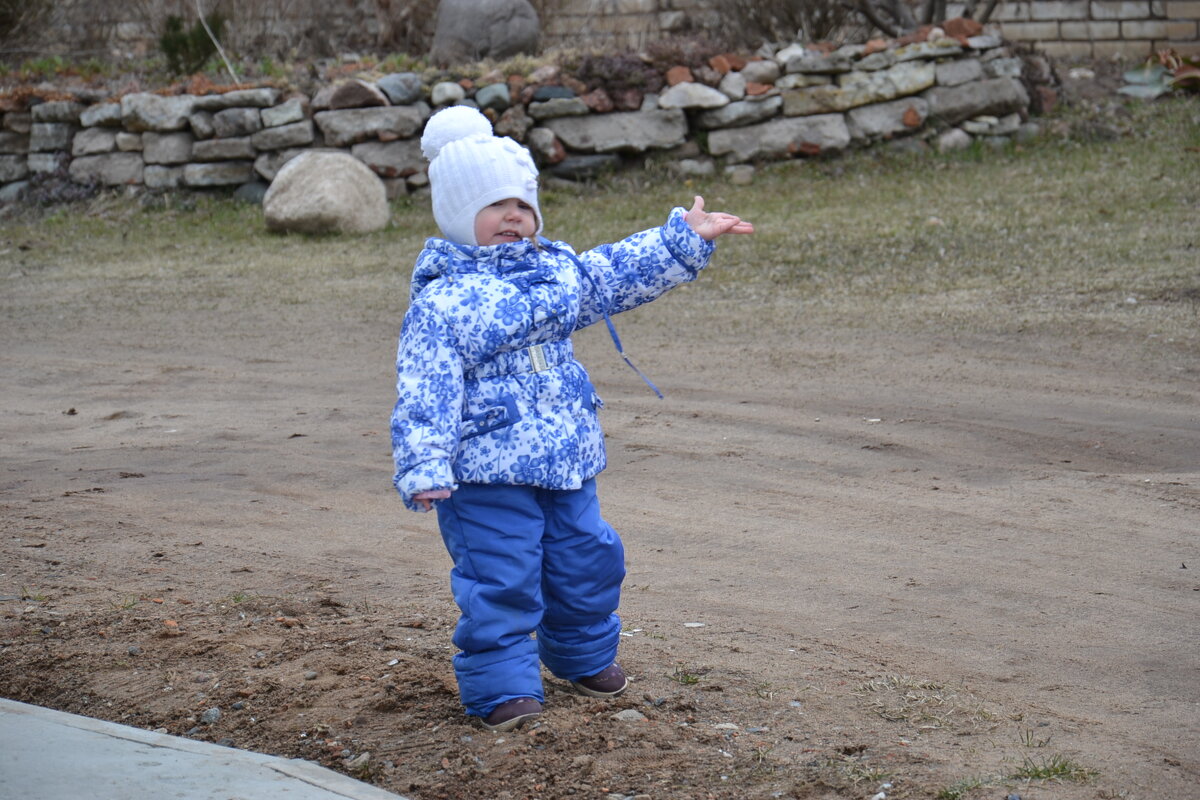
pixel 711 225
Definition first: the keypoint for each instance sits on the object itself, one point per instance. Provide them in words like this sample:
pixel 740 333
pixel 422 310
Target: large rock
pixel 13 168
pixel 950 105
pixel 742 112
pixel 583 168
pixel 283 114
pixel 297 134
pixel 402 88
pixel 781 138
pixel 397 159
pixel 762 71
pixel 264 97
pixel 268 164
pixel 57 111
pixel 17 121
pixel 627 132
pixel 94 141
pixel 101 114
pixel 859 89
pixel 157 177
pixel 689 94
pixel 558 107
pixel 325 191
pixel 352 125
pixel 111 169
pixel 14 143
pixel 153 112
pixel 355 93
pixel 233 149
pixel 885 120
pixel 471 30
pixel 167 148
pixel 218 173
pixel 962 70
pixel 232 122
pixel 49 136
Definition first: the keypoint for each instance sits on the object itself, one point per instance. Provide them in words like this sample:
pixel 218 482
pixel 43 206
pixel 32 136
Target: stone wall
pixel 799 102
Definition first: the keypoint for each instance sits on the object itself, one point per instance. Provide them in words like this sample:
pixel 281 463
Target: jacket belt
pixel 535 358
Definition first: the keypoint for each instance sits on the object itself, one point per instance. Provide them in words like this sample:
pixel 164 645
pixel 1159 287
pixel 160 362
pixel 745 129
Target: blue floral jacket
pixel 488 388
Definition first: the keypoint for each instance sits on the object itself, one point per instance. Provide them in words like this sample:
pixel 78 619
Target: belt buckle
pixel 537 358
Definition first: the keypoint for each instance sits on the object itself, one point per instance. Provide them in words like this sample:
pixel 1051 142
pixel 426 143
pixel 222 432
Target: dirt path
pixel 855 557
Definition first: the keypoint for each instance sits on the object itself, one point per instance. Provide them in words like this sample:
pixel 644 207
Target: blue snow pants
pixel 530 560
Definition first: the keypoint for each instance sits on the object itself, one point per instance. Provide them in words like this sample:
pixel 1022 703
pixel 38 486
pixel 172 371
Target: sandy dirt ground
pixel 924 563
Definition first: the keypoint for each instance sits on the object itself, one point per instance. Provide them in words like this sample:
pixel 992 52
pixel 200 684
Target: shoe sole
pixel 510 724
pixel 579 687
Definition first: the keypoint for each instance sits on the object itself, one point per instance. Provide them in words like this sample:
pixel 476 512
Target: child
pixel 496 422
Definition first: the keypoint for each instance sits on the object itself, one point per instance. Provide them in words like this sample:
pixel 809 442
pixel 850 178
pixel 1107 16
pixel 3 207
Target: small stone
pixel 402 88
pixel 953 139
pixel 359 762
pixel 238 706
pixel 629 715
pixel 494 96
pixel 283 114
pixel 693 167
pixel 251 192
pixel 211 716
pixel 311 675
pixel 740 174
pixel 225 742
pixel 446 93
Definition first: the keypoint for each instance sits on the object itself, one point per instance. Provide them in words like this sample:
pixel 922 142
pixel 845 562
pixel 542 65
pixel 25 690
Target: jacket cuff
pixel 423 478
pixel 688 247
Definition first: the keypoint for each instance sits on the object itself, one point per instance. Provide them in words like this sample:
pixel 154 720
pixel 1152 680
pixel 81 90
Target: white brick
pixel 1037 31
pixel 1145 29
pixel 1059 9
pixel 1091 30
pixel 1120 9
pixel 1066 49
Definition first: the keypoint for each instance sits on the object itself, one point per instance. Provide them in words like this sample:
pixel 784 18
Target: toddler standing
pixel 496 422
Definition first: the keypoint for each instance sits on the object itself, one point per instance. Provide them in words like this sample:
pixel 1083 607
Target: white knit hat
pixel 470 168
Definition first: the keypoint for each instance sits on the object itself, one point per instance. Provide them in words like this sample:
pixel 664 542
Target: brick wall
pixel 1102 28
pixel 1065 28
pixel 624 24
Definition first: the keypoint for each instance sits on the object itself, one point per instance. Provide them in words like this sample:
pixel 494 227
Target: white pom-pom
pixel 451 124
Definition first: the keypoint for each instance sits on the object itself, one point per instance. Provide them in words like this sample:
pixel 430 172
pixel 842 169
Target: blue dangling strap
pixel 612 329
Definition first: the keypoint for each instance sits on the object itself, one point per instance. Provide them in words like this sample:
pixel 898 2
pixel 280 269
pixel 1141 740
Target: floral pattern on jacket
pixel 470 407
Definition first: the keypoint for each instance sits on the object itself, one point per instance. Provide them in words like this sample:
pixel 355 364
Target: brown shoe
pixel 512 714
pixel 609 683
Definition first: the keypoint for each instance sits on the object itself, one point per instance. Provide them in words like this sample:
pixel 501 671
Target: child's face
pixel 505 221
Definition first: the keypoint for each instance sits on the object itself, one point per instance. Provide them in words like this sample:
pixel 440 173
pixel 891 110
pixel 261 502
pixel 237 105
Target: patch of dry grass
pixel 1057 236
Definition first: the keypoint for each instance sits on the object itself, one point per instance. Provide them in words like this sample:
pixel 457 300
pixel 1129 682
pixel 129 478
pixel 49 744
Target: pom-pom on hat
pixel 470 168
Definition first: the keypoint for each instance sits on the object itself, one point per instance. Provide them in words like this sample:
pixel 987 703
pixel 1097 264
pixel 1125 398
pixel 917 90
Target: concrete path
pixel 49 755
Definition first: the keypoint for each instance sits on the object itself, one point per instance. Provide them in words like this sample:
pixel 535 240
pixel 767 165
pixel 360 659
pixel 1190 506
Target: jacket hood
pixel 442 257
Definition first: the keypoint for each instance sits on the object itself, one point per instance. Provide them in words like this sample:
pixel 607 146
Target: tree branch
pixel 208 30
pixel 868 10
pixel 987 11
